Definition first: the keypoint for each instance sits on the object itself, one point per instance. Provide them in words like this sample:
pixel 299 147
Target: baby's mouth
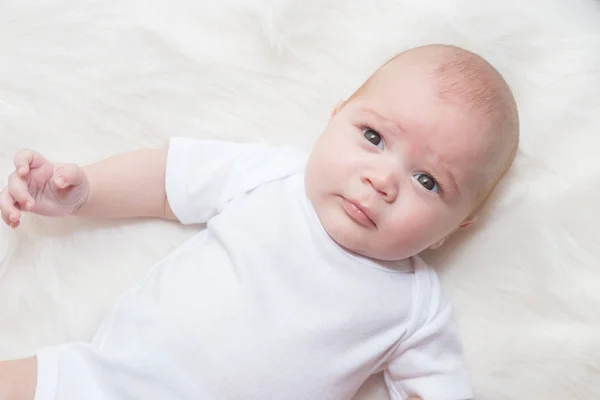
pixel 359 214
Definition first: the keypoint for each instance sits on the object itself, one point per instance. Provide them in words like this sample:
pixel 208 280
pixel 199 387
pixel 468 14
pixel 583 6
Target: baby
pixel 307 279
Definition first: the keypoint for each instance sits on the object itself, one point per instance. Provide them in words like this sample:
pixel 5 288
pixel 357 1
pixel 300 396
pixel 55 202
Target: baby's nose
pixel 385 182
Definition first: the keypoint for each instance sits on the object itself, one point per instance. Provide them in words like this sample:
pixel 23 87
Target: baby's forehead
pixel 415 106
pixel 437 134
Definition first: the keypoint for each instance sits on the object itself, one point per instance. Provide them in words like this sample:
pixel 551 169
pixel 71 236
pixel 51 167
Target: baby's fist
pixel 39 186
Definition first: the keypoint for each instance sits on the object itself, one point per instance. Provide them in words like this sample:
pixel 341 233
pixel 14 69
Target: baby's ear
pixel 468 222
pixel 465 224
pixel 438 244
pixel 337 107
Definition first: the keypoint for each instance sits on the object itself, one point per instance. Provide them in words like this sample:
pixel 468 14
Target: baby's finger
pixel 19 191
pixel 10 213
pixel 5 219
pixel 27 159
pixel 22 161
pixel 68 175
pixel 10 223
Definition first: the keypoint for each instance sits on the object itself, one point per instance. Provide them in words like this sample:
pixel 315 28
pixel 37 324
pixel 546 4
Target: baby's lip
pixel 358 212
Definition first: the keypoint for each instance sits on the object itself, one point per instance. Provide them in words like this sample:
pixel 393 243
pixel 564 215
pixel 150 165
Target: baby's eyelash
pixel 364 127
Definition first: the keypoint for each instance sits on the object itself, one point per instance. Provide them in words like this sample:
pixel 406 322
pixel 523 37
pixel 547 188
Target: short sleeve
pixel 203 176
pixel 429 363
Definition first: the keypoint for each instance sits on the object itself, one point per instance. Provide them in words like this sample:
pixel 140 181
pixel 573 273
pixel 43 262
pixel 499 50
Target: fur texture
pixel 81 80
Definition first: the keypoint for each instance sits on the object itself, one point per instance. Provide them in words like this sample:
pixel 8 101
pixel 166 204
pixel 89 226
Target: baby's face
pixel 396 169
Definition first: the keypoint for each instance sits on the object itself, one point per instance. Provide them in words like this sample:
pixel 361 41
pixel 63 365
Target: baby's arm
pixel 429 363
pixel 128 185
pixel 125 186
pixel 18 379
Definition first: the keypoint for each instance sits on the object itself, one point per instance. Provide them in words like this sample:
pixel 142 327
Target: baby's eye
pixel 373 137
pixel 427 182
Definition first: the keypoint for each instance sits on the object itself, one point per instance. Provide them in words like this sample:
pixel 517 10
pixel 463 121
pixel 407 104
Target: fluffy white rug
pixel 81 80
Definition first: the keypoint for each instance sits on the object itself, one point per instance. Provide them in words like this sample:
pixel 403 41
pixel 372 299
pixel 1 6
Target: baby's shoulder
pixel 429 300
pixel 426 277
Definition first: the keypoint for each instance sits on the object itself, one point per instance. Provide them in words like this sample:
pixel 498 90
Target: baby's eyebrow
pixel 450 178
pixel 397 128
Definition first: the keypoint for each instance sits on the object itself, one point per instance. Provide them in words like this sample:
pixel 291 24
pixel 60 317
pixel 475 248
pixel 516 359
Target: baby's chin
pixel 364 245
pixel 384 255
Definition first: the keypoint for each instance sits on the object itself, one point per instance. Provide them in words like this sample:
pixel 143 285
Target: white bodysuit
pixel 262 304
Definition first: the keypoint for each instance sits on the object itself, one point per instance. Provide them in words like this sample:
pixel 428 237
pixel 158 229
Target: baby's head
pixel 413 154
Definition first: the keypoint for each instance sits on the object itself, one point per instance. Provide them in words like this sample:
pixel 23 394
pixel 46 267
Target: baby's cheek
pixel 412 232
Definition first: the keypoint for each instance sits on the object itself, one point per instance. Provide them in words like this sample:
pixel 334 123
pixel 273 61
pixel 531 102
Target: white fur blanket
pixel 81 80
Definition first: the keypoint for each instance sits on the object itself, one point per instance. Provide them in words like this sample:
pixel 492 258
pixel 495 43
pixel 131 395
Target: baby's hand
pixel 41 187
